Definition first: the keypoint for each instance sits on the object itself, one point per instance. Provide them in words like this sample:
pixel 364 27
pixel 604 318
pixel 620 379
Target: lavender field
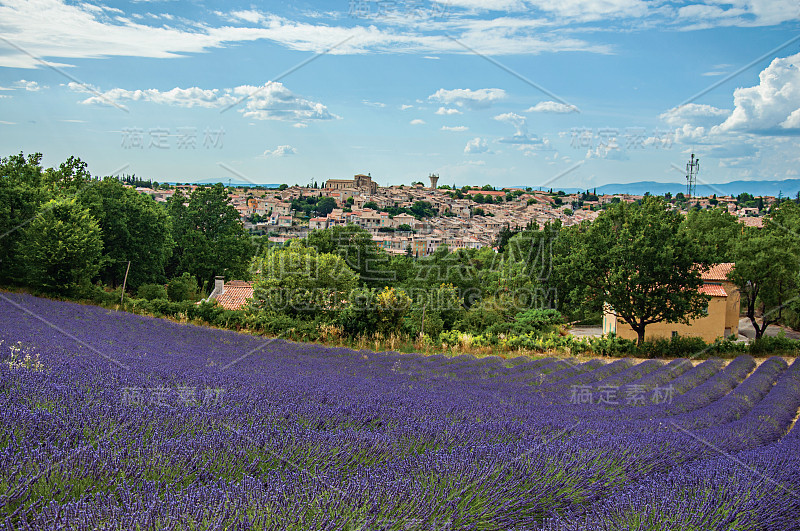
pixel 116 421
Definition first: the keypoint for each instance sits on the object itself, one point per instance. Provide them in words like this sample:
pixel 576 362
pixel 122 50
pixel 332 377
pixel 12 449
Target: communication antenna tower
pixel 692 169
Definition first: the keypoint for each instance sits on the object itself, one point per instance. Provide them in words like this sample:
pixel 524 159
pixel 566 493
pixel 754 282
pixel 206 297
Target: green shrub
pixel 183 288
pixel 771 345
pixel 151 291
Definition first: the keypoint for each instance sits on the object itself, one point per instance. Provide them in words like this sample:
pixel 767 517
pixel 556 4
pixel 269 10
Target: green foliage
pixel 68 179
pixel 21 195
pixel 715 231
pixel 368 311
pixel 61 249
pixel 422 209
pixel 675 347
pixel 183 288
pixel 325 206
pixel 300 280
pixel 767 268
pixel 135 228
pixel 209 236
pixel 355 247
pixel 641 261
pixel 774 344
pixel 152 291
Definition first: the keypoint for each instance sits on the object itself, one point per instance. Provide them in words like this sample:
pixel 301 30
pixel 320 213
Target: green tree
pixel 502 238
pixel 371 204
pixel 183 288
pixel 71 176
pixel 300 280
pixel 209 237
pixel 355 246
pixel 325 206
pixel 639 260
pixel 767 268
pixel 21 195
pixel 61 248
pixel 135 228
pixel 715 231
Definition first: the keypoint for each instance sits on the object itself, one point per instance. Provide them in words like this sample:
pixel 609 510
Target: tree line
pixel 67 233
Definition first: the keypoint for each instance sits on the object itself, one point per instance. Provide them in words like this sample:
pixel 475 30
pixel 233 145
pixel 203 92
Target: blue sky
pixel 561 94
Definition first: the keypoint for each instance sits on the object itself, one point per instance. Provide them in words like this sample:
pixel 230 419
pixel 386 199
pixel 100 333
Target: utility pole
pixel 124 282
pixel 692 169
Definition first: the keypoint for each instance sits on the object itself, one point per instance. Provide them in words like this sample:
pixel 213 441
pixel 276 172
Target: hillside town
pixel 466 218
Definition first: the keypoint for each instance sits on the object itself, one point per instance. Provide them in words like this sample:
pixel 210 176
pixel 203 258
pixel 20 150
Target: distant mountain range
pixel 233 182
pixel 788 188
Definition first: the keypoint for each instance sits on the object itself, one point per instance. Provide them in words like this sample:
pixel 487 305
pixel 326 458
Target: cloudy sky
pixel 553 93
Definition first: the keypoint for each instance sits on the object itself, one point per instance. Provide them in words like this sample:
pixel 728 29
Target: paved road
pixel 746 329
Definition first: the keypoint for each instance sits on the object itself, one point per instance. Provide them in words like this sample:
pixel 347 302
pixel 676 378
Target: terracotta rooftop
pixel 713 290
pixel 235 295
pixel 752 222
pixel 718 271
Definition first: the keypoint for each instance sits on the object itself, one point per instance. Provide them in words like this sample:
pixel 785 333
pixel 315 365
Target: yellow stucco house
pixel 721 320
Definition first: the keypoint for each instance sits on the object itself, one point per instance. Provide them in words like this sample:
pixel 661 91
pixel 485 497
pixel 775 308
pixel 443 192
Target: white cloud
pixel 373 103
pixel 30 86
pixel 271 101
pixel 606 151
pixel 281 151
pixel 519 122
pixel 406 107
pixel 247 15
pixel 772 106
pixel 53 28
pixel 4 122
pixel 417 121
pixel 447 110
pixel 552 106
pixel 476 145
pixel 695 114
pixel 61 29
pixel 456 128
pixel 471 99
pixel 300 125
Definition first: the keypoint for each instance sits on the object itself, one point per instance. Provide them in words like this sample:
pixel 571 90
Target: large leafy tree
pixel 642 262
pixel 21 195
pixel 356 247
pixel 767 270
pixel 299 280
pixel 61 248
pixel 135 228
pixel 71 176
pixel 209 236
pixel 716 231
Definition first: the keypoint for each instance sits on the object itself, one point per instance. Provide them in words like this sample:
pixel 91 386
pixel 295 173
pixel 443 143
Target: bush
pixel 151 291
pixel 183 288
pixel 771 345
pixel 675 347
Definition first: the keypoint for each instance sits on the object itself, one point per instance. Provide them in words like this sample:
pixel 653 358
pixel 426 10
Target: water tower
pixel 434 180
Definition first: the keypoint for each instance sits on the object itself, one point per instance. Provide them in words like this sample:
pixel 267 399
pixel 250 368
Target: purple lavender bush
pixel 125 422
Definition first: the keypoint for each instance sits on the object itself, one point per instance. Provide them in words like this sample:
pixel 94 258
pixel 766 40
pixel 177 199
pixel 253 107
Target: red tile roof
pixel 752 222
pixel 235 295
pixel 713 289
pixel 718 271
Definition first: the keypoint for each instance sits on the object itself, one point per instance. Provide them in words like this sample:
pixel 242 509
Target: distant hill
pixel 788 188
pixel 232 183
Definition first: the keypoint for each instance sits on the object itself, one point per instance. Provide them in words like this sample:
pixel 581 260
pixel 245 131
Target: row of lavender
pixel 141 422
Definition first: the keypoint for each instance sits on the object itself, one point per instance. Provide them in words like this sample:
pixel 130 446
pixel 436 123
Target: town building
pixel 721 318
pixel 359 182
